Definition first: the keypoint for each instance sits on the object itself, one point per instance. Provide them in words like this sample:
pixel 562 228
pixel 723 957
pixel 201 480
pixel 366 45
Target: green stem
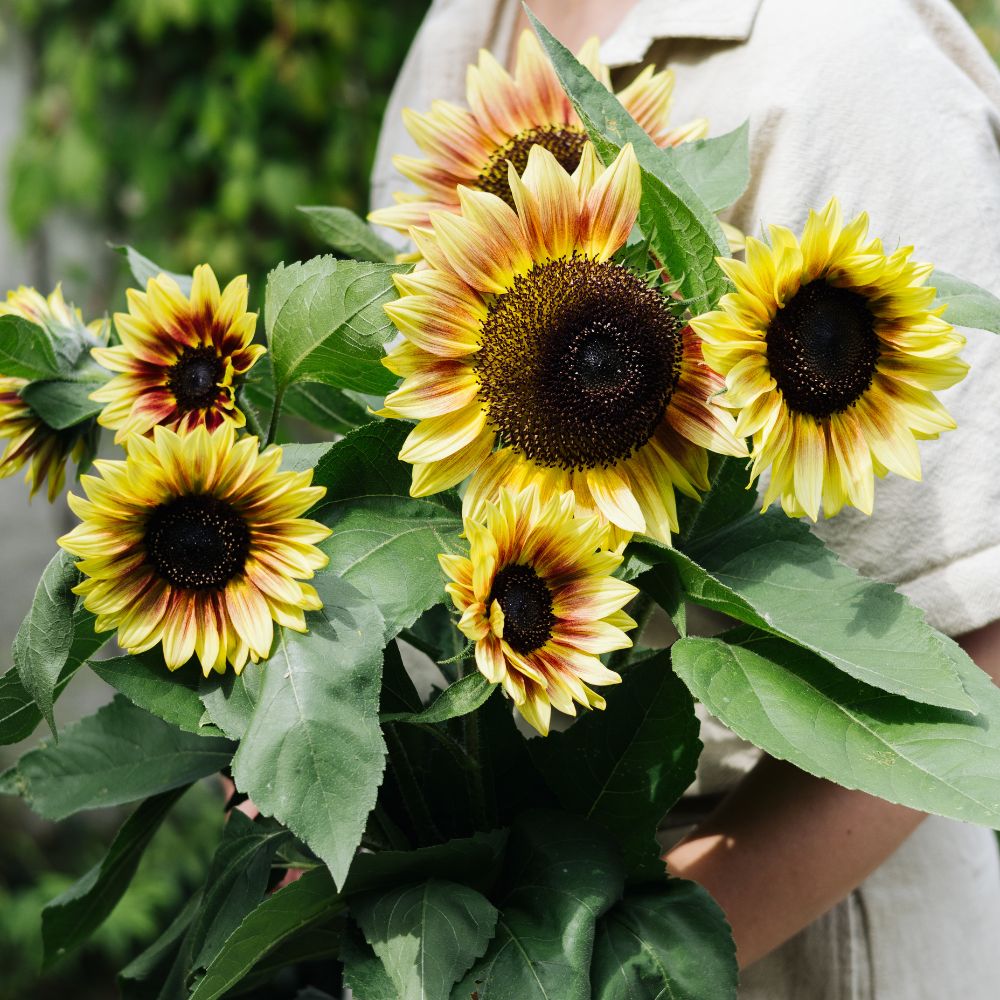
pixel 272 429
pixel 253 421
pixel 409 788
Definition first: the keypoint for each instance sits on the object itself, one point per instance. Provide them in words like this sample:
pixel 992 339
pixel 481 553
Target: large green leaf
pixel 313 754
pixel 27 350
pixel 347 233
pixel 560 875
pixel 773 573
pixel 75 914
pixel 968 304
pixel 683 233
pixel 363 970
pixel 120 754
pixel 792 705
pixel 235 884
pixel 325 322
pixel 144 976
pixel 300 904
pixel 718 168
pixel 65 402
pixel 625 767
pixel 231 701
pixel 426 935
pixel 671 942
pixel 384 541
pixel 457 699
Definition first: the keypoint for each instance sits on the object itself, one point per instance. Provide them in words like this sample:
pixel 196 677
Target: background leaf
pixel 667 943
pixel 968 304
pixel 718 169
pixel 27 350
pixel 460 698
pixel 65 402
pixel 347 233
pixel 313 754
pixel 143 269
pixel 363 970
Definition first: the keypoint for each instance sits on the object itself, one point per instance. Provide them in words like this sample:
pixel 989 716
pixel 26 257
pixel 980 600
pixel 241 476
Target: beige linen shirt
pixel 893 106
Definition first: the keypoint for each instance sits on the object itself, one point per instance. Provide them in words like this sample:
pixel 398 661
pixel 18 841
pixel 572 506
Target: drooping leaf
pixel 143 977
pixel 325 322
pixel 791 704
pixel 683 233
pixel 560 875
pixel 426 935
pixel 385 542
pixel 147 683
pixel 75 914
pixel 119 754
pixel 313 944
pixel 718 169
pixel 230 700
pixel 457 699
pixel 773 573
pixel 623 768
pixel 347 233
pixel 65 402
pixel 313 753
pixel 143 269
pixel 306 902
pixel 968 304
pixel 670 942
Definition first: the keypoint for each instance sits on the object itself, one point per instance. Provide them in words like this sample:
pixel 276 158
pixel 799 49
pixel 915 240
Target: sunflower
pixel 196 541
pixel 537 598
pixel 31 441
pixel 831 350
pixel 506 117
pixel 180 357
pixel 522 331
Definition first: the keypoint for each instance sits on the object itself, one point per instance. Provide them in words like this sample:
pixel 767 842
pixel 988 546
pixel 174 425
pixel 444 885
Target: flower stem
pixel 253 420
pixel 272 429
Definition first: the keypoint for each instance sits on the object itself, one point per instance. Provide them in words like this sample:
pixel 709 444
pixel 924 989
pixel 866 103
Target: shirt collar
pixel 651 20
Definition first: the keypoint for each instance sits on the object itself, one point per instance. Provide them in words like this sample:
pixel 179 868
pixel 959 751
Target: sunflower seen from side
pixel 522 332
pixel 831 351
pixel 537 598
pixel 180 358
pixel 197 542
pixel 506 116
pixel 30 442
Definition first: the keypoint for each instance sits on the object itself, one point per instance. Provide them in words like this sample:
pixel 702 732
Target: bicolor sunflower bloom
pixel 522 332
pixel 537 598
pixel 831 350
pixel 29 440
pixel 197 542
pixel 506 117
pixel 180 358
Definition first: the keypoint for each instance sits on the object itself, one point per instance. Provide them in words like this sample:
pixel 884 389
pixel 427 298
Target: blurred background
pixel 190 129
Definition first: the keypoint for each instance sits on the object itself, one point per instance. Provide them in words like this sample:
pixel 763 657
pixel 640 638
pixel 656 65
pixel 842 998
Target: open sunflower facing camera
pixel 507 116
pixel 530 356
pixel 831 350
pixel 197 542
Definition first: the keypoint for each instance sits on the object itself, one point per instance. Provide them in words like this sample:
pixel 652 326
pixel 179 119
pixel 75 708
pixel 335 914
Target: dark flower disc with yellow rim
pixel 197 542
pixel 506 116
pixel 832 351
pixel 180 358
pixel 30 442
pixel 537 597
pixel 522 332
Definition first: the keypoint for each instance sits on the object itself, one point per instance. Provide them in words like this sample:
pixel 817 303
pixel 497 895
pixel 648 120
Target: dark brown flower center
pixel 197 542
pixel 822 349
pixel 527 607
pixel 577 364
pixel 564 142
pixel 194 378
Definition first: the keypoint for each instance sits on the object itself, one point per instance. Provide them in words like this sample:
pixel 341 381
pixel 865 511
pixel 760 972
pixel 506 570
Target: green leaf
pixel 280 916
pixel 27 350
pixel 457 699
pixel 684 234
pixel 230 700
pixel 44 640
pixel 426 935
pixel 718 169
pixel 623 768
pixel 75 914
pixel 792 705
pixel 148 684
pixel 143 268
pixel 142 977
pixel 968 304
pixel 729 498
pixel 364 973
pixel 325 322
pixel 120 754
pixel 560 876
pixel 313 944
pixel 65 402
pixel 313 754
pixel 235 884
pixel 399 696
pixel 666 943
pixel 348 234
pixel 385 542
pixel 773 573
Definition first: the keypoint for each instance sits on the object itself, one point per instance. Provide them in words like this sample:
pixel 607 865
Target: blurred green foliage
pixel 193 128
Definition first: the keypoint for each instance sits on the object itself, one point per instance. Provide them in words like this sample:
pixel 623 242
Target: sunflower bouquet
pixel 421 648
